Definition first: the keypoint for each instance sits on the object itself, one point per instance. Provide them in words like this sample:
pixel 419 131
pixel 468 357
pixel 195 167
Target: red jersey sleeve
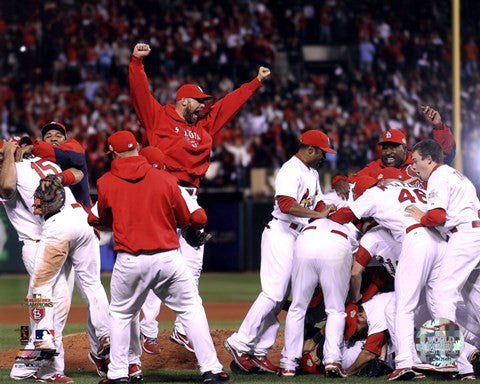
pixel 285 203
pixel 224 109
pixel 362 256
pixel 104 211
pixel 145 105
pixel 443 136
pixel 342 215
pixel 434 217
pixel 375 342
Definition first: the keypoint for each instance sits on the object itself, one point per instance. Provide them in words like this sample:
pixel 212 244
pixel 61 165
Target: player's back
pixel 389 203
pixel 30 172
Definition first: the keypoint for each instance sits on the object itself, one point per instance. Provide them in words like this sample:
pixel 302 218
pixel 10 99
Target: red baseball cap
pixel 391 173
pixel 191 90
pixel 54 125
pixel 318 139
pixel 393 136
pixel 153 155
pixel 362 184
pixel 351 321
pixel 121 141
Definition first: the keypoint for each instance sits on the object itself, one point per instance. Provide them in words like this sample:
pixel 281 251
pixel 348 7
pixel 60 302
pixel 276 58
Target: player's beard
pixel 191 117
pixel 317 164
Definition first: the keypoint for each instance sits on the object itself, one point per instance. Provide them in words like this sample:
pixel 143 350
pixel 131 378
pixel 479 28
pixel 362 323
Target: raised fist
pixel 141 50
pixel 431 115
pixel 263 73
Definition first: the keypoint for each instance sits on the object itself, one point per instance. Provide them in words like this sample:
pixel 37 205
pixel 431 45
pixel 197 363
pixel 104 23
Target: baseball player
pixel 297 192
pixel 322 250
pixel 453 209
pixel 148 256
pixel 185 135
pixel 394 152
pixel 421 253
pixel 69 154
pixel 13 177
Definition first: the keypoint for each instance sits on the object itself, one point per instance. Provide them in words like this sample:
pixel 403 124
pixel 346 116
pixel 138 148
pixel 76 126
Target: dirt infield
pixel 172 355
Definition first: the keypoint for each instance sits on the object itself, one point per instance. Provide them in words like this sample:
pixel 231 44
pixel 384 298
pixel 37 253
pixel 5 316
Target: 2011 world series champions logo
pixel 439 342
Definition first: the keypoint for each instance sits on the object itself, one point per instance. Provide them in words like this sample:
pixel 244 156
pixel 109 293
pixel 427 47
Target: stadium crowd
pixel 68 60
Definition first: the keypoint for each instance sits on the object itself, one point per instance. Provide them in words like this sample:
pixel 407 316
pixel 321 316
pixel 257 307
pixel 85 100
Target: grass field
pixel 234 288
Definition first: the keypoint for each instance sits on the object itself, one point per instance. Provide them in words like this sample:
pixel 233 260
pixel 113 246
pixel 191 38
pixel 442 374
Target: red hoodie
pixel 186 146
pixel 142 204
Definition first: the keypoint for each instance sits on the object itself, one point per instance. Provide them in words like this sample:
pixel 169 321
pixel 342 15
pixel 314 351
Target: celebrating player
pixel 185 136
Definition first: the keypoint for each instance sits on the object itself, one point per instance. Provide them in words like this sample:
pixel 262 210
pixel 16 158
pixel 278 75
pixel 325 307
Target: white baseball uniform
pixel 451 191
pixel 258 331
pixel 322 250
pixel 29 230
pixel 65 234
pixel 421 252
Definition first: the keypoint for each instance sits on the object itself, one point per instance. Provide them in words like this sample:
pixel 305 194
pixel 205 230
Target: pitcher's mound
pixel 172 355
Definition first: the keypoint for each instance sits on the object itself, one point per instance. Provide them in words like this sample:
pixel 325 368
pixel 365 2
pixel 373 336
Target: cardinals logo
pixel 37 314
pixel 306 200
pixel 193 138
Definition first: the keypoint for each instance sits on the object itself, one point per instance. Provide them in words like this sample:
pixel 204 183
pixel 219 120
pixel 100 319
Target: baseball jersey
pixel 297 180
pixel 382 247
pixel 20 208
pixel 451 191
pixel 387 204
pixel 375 310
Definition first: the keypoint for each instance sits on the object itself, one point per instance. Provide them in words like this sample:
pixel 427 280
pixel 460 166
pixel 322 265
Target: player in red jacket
pixel 185 135
pixel 395 153
pixel 148 258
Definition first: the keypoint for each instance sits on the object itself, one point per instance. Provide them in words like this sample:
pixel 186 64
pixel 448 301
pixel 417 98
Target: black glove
pixel 49 196
pixel 195 237
pixel 375 368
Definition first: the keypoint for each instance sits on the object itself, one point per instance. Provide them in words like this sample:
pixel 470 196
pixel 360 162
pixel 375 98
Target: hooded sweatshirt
pixel 186 146
pixel 142 204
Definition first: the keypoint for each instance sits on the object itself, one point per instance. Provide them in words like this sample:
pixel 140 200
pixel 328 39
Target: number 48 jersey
pixel 387 204
pixel 29 174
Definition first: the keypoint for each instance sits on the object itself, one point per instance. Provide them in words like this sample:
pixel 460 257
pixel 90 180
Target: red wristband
pixel 68 178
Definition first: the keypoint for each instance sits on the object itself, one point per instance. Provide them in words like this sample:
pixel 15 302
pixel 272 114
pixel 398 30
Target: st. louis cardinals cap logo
pixel 37 313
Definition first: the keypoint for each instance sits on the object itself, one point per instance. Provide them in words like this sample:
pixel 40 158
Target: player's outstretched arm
pixel 8 172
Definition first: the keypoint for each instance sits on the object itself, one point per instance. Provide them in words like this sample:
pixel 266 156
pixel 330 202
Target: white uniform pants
pixel 258 331
pixel 462 257
pixel 418 266
pixel 325 259
pixel 61 300
pixel 193 258
pixel 169 277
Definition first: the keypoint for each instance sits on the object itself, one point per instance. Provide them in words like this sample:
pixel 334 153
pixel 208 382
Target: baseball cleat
pixel 215 378
pixel 419 376
pixel 242 360
pixel 432 368
pixel 101 365
pixel 401 374
pixel 150 345
pixel 286 373
pixel 135 373
pixel 463 376
pixel 22 371
pixel 474 359
pixel 58 378
pixel 121 380
pixel 182 340
pixel 264 364
pixel 334 370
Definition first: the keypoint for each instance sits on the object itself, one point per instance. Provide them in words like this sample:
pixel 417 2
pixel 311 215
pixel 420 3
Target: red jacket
pixel 142 205
pixel 186 146
pixel 441 134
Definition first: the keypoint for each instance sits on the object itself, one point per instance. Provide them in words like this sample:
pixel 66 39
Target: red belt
pixel 414 226
pixel 291 225
pixel 475 224
pixel 333 231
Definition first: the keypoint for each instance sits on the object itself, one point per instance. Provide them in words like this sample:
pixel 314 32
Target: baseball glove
pixel 194 237
pixel 49 196
pixel 375 368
